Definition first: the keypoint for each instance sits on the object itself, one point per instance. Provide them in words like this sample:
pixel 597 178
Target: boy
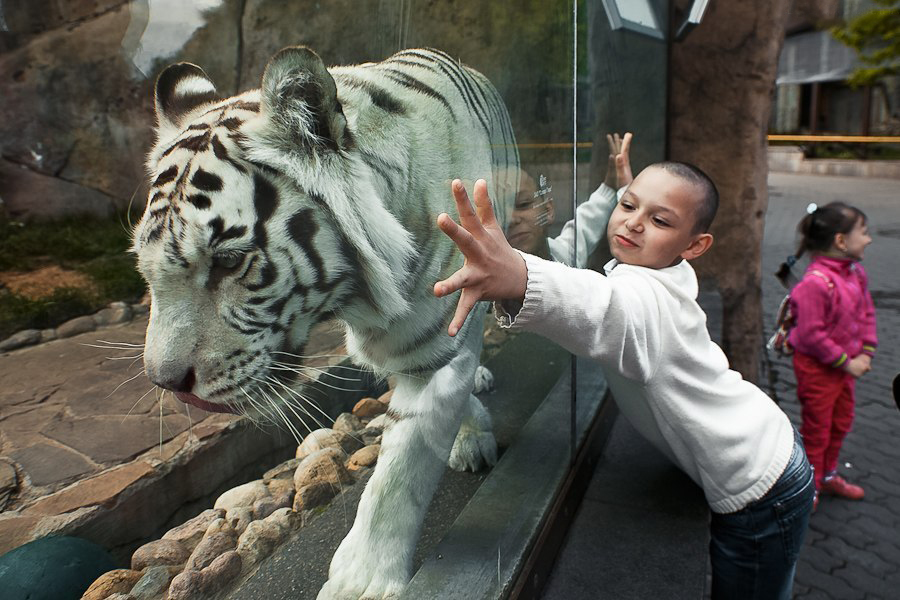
pixel 644 326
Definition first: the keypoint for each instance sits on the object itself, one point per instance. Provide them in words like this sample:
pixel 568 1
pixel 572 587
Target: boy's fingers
pixel 463 206
pixel 467 301
pixel 483 206
pixel 464 240
pixel 626 144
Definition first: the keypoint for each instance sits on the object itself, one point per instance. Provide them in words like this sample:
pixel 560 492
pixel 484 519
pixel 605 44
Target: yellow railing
pixel 856 139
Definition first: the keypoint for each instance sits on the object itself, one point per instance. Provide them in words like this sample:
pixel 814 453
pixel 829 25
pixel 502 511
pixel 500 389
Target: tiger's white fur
pixel 316 196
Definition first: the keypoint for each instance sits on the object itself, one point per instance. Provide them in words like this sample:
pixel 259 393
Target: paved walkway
pixel 853 548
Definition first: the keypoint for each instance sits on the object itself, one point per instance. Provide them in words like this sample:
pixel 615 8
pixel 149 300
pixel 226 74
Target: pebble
pixel 324 466
pixel 348 423
pixel 259 541
pixel 152 584
pixel 210 547
pixel 264 507
pixel 112 582
pixel 239 517
pixel 191 532
pixel 21 339
pixel 76 326
pixel 364 457
pixel 242 495
pixel 283 471
pixel 159 552
pixel 192 583
pixel 314 495
pixel 368 408
pixel 327 438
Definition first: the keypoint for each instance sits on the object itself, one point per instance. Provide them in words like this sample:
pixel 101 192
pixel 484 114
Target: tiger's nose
pixel 182 382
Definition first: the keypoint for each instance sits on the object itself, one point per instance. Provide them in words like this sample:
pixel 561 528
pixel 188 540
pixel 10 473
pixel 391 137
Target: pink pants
pixel 827 401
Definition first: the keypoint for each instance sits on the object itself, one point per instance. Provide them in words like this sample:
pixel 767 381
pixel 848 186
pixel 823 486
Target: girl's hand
pixel 859 365
pixel 493 270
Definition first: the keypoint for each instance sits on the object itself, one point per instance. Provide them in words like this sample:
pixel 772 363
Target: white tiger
pixel 312 197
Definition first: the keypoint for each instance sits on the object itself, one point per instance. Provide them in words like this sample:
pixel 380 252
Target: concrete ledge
pixel 790 159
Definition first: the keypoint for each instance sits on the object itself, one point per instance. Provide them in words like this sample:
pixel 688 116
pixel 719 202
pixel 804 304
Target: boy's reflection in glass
pixel 532 214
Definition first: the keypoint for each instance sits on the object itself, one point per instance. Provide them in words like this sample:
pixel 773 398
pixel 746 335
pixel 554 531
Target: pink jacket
pixel 835 318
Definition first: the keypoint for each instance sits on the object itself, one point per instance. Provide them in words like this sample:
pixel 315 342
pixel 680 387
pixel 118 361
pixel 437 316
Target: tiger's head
pixel 244 241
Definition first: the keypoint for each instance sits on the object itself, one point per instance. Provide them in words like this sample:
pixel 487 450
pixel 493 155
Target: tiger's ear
pixel 300 98
pixel 181 88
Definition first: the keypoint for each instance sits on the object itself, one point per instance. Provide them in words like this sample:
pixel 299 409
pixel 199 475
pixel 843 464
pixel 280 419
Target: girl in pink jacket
pixel 834 336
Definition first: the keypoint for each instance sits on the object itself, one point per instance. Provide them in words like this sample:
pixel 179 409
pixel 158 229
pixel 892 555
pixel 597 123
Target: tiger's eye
pixel 227 261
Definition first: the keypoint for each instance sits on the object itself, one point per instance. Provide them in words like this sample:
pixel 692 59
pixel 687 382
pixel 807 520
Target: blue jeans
pixel 754 551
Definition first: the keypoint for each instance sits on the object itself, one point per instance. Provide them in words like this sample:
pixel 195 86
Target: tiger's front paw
pixel 473 450
pixel 484 380
pixel 350 583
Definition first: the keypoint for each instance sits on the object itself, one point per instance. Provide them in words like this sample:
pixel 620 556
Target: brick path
pixel 853 548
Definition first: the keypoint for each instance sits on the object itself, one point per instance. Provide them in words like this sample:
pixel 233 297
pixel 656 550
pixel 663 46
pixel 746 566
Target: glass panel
pixel 269 221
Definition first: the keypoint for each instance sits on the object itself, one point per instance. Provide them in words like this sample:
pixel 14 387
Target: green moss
pixel 98 248
pixel 18 312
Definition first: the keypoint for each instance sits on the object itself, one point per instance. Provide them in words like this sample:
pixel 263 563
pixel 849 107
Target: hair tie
pixel 812 208
pixel 791 261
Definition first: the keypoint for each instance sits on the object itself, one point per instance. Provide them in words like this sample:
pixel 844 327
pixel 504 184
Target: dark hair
pixel 818 228
pixel 709 199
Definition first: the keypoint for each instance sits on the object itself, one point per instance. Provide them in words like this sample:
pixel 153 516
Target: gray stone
pixel 187 585
pixel 370 436
pixel 46 464
pixel 264 507
pixel 283 471
pixel 152 584
pixel 27 337
pixel 48 335
pixel 76 326
pixel 380 422
pixel 140 309
pixel 113 315
pixel 347 423
pixel 285 519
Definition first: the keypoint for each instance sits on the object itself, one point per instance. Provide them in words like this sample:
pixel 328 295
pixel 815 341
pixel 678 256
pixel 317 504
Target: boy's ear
pixel 698 246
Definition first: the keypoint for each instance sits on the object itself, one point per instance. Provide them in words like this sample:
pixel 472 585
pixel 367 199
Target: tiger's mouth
pixel 203 404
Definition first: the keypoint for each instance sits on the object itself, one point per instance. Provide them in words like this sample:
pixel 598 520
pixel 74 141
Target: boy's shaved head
pixel 707 201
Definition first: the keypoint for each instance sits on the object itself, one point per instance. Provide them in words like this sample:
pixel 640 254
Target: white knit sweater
pixel 668 377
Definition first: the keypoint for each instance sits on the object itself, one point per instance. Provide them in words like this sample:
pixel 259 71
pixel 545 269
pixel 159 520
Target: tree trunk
pixel 722 84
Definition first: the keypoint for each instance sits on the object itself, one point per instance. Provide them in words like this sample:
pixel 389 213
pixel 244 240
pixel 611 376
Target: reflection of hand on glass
pixel 618 168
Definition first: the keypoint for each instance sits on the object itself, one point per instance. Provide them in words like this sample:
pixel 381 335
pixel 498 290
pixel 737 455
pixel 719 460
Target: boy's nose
pixel 634 224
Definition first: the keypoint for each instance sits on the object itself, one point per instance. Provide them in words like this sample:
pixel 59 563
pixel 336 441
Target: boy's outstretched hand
pixel 493 270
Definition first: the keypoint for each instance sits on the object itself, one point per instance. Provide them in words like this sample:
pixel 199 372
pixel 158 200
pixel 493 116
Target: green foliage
pixel 97 248
pixel 875 36
pixel 25 246
pixel 18 313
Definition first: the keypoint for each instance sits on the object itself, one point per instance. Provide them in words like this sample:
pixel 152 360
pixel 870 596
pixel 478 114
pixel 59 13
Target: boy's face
pixel 653 223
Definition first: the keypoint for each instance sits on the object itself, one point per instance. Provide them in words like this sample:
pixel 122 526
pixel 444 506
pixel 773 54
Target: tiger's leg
pixel 375 559
pixel 475 446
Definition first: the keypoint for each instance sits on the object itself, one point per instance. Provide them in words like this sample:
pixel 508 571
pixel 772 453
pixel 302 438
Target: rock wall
pixel 722 81
pixel 76 77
